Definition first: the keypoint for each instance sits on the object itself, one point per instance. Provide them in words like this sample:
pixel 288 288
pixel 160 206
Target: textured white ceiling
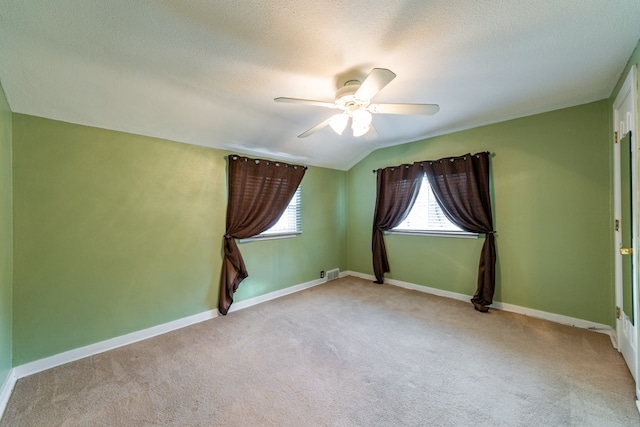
pixel 206 72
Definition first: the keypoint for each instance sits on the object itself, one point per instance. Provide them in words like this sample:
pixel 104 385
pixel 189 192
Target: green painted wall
pixel 117 232
pixel 6 239
pixel 551 199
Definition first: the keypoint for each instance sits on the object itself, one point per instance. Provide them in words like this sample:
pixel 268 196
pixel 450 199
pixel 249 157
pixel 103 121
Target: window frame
pixel 431 232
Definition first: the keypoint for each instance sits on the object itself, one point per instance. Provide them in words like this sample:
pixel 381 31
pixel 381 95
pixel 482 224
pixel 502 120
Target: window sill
pixel 269 237
pixel 433 233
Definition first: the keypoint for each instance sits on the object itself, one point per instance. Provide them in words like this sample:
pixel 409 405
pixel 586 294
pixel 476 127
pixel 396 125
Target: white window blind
pixel 290 221
pixel 426 214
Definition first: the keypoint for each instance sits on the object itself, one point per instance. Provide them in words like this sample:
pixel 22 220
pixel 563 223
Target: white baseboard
pixel 614 338
pixel 273 295
pixel 31 368
pixel 6 389
pixel 557 318
pixel 110 344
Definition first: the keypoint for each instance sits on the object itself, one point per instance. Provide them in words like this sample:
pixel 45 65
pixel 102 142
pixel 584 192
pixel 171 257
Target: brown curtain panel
pixel 461 186
pixel 397 188
pixel 258 193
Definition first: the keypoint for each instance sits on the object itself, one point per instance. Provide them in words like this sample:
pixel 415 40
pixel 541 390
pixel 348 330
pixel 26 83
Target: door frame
pixel 628 89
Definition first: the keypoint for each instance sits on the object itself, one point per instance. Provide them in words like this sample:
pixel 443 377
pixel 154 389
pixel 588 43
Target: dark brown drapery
pixel 258 193
pixel 396 191
pixel 461 186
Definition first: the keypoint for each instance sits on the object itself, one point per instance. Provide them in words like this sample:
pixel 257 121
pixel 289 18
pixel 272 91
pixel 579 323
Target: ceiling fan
pixel 354 99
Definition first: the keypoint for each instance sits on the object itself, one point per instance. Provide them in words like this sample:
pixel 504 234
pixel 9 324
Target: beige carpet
pixel 346 353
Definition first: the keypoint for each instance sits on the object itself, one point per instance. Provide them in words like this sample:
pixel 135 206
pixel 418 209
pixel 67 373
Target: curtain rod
pixel 237 156
pixel 490 154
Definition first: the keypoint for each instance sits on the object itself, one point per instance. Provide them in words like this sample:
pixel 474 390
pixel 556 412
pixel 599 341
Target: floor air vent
pixel 333 274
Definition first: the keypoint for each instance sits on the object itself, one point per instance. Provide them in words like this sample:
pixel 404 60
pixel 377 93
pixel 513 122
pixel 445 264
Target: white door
pixel 626 223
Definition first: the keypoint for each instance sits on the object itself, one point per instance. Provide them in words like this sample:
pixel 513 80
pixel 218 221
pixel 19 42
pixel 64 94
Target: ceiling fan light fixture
pixel 360 131
pixel 338 122
pixel 354 99
pixel 361 121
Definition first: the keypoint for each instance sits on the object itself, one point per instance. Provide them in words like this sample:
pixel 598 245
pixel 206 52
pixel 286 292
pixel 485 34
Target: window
pixel 289 223
pixel 426 216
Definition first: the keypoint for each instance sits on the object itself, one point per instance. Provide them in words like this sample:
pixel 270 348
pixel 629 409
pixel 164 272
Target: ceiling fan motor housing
pixel 345 96
pixel 354 99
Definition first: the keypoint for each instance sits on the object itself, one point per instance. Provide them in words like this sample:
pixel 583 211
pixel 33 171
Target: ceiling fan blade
pixel 418 109
pixel 371 133
pixel 377 79
pixel 315 128
pixel 306 101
